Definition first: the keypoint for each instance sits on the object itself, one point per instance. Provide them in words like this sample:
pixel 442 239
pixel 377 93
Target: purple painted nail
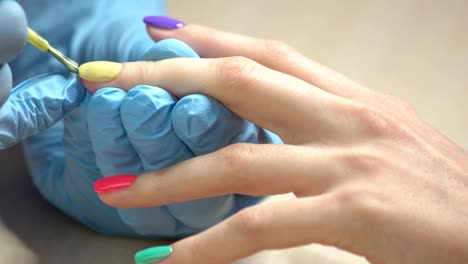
pixel 163 22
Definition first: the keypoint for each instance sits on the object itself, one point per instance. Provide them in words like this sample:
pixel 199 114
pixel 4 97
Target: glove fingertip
pixel 6 82
pixel 204 124
pixel 140 106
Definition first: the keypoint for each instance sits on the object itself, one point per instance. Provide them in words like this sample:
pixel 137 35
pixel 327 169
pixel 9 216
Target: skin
pixel 370 176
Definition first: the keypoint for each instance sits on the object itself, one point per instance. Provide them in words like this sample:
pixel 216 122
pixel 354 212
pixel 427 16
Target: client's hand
pixel 371 176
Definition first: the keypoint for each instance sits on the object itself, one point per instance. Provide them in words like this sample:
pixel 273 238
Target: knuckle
pixel 250 222
pixel 237 72
pixel 398 104
pixel 143 70
pixel 278 49
pixel 362 161
pixel 376 122
pixel 235 156
pixel 361 200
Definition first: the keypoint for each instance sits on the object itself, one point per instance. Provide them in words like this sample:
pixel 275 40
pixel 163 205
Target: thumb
pixel 36 105
pixel 5 81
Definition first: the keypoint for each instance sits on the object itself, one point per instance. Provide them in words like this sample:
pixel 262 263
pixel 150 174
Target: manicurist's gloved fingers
pixel 13 36
pixel 206 125
pixel 13 28
pixel 211 43
pixel 44 153
pixel 115 155
pixel 146 115
pixel 36 105
pixel 6 82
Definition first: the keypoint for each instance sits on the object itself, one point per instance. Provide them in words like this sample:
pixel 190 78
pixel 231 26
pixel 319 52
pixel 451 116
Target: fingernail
pixel 113 183
pixel 163 22
pixel 153 255
pixel 99 71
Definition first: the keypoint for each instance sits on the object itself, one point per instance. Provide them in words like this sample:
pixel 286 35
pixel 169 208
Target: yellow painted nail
pixel 99 71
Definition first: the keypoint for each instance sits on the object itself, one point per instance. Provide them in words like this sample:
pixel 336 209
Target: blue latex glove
pixel 13 35
pixel 100 140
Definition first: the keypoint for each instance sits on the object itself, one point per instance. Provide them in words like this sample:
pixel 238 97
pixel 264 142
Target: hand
pixel 370 176
pixel 13 28
pixel 95 140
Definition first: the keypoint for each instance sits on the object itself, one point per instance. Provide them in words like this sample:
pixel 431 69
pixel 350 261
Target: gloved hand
pixel 13 35
pixel 113 132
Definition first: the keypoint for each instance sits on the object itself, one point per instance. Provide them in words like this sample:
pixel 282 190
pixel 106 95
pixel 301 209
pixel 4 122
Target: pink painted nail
pixel 113 183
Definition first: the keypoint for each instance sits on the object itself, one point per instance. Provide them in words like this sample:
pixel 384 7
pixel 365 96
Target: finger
pixel 80 171
pixel 205 125
pixel 278 102
pixel 270 226
pixel 13 28
pixel 211 43
pixel 241 168
pixel 146 116
pixel 36 105
pixel 44 153
pixel 115 155
pixel 6 81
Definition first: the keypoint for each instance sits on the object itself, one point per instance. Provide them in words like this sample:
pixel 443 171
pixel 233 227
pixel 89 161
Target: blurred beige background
pixel 415 49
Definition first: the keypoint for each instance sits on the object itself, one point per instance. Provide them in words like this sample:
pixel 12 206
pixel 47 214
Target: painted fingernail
pixel 163 22
pixel 113 183
pixel 153 255
pixel 99 71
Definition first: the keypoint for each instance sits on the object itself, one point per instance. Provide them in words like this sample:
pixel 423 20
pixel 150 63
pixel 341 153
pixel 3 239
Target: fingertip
pixel 100 71
pixel 116 199
pixel 198 119
pixel 144 113
pixel 106 198
pixel 107 98
pixel 192 117
pixel 157 34
pixel 160 27
pixel 188 33
pixel 92 87
pixel 98 74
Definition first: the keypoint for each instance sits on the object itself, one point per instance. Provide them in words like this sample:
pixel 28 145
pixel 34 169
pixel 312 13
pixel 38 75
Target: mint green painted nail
pixel 153 254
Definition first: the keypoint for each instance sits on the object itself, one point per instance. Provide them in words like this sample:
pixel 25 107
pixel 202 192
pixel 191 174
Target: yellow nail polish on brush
pixel 99 71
